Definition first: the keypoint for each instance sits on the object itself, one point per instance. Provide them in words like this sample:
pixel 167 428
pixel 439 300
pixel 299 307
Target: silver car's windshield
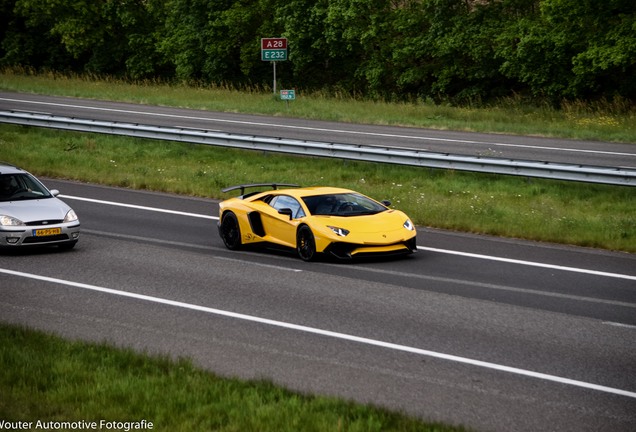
pixel 344 204
pixel 16 187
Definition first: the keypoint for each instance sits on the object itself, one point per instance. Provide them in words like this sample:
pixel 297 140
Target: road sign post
pixel 274 50
pixel 287 95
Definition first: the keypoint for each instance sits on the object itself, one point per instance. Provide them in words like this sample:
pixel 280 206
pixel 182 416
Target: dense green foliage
pixel 440 50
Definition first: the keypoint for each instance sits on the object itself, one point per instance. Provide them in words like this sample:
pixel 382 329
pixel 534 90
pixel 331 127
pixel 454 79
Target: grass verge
pixel 581 214
pixel 603 120
pixel 47 379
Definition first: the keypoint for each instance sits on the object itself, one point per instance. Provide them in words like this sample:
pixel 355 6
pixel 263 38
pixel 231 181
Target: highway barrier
pixel 390 155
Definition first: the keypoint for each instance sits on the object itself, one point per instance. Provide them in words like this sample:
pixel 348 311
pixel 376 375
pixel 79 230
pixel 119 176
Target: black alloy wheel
pixel 230 231
pixel 305 244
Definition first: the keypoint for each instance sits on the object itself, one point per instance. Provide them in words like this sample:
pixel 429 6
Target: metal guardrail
pixel 402 156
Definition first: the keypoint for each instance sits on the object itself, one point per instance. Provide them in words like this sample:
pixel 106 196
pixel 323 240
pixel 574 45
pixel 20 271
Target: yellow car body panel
pixel 343 235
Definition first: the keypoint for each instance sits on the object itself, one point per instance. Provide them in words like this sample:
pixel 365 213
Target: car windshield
pixel 343 204
pixel 15 187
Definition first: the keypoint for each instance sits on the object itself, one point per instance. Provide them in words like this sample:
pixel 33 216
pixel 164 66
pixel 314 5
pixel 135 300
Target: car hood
pixel 381 222
pixel 35 210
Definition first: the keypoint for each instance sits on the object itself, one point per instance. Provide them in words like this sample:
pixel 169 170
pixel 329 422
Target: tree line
pixel 454 51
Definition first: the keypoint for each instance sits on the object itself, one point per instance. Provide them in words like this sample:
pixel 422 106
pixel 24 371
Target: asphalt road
pixel 495 334
pixel 462 143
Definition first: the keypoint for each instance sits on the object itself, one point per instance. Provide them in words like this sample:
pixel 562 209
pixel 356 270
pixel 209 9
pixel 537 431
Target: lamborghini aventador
pixel 314 221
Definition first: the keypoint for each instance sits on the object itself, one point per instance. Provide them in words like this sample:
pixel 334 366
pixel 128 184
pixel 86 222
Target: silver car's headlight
pixel 10 221
pixel 70 216
pixel 409 225
pixel 339 231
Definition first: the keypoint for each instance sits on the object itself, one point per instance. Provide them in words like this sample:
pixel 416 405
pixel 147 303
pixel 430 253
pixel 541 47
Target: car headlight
pixel 70 216
pixel 10 221
pixel 409 225
pixel 339 231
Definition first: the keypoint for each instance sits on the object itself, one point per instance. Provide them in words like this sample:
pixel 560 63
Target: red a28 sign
pixel 273 43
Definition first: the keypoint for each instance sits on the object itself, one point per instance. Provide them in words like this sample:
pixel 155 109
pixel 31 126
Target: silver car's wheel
pixel 305 243
pixel 230 231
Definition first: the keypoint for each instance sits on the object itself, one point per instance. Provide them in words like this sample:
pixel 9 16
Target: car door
pixel 282 226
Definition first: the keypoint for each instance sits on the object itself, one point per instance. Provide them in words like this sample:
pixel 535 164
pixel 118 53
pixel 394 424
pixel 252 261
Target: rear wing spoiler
pixel 242 187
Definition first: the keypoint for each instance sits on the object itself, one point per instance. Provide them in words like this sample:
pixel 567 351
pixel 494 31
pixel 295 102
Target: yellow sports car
pixel 314 220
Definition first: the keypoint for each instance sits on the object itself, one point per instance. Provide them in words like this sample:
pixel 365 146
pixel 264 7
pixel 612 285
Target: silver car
pixel 31 215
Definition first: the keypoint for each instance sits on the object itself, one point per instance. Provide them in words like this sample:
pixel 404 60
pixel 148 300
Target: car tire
pixel 305 243
pixel 230 231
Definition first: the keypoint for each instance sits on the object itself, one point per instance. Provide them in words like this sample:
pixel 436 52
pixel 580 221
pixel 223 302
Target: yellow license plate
pixel 47 232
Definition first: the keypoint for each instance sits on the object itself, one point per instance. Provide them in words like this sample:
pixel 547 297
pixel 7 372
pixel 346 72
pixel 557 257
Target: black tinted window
pixel 285 201
pixel 15 187
pixel 346 204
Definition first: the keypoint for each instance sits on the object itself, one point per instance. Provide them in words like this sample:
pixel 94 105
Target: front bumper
pixel 345 251
pixel 40 235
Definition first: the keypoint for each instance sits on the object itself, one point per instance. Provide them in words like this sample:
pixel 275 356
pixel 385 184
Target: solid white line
pixel 342 131
pixel 331 334
pixel 615 324
pixel 138 207
pixel 444 251
pixel 530 263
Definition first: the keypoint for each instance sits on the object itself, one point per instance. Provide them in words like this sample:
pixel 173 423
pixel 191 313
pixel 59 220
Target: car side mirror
pixel 286 211
pixel 54 192
pixel 386 203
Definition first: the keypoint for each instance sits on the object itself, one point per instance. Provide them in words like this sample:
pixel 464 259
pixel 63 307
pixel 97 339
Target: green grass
pixel 563 212
pixel 48 379
pixel 603 120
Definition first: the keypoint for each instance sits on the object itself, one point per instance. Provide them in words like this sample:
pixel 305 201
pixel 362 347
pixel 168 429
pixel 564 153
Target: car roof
pixel 298 193
pixel 295 191
pixel 311 191
pixel 6 168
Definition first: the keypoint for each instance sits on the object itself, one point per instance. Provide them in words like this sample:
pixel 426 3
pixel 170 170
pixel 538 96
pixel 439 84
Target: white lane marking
pixel 530 263
pixel 328 333
pixel 275 267
pixel 138 207
pixel 342 131
pixel 500 287
pixel 444 251
pixel 190 246
pixel 615 324
pixel 374 270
